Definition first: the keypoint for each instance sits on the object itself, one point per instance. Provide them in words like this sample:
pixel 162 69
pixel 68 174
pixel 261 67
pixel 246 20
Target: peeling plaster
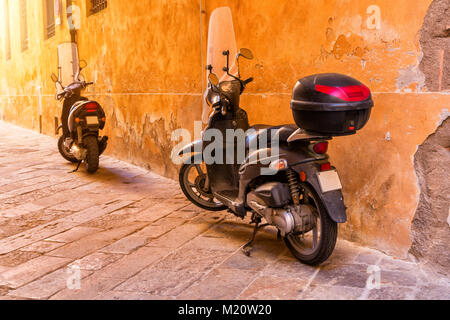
pixel 388 136
pixel 444 115
pixel 408 77
pixel 363 64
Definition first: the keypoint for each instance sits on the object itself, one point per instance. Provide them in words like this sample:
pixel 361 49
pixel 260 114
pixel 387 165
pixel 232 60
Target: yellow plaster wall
pixel 147 60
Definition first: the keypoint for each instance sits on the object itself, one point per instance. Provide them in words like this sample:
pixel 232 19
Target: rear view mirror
pixel 54 78
pixel 246 53
pixel 213 79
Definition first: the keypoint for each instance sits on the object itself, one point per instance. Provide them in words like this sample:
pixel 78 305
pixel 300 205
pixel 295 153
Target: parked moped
pixel 287 180
pixel 82 120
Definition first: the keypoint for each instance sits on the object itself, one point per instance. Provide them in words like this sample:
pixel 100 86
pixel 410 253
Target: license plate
pixel 329 181
pixel 91 120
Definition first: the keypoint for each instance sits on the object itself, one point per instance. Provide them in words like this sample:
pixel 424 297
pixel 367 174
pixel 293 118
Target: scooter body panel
pixel 299 159
pixel 222 164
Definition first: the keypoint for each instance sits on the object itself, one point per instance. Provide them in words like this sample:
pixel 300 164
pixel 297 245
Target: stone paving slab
pixel 133 235
pixel 31 270
pixel 46 286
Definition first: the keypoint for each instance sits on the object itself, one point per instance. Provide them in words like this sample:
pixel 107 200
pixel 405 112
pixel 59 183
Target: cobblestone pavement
pixel 128 233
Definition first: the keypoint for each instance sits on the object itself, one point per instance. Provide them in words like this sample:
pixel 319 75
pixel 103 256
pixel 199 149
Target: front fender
pixel 333 200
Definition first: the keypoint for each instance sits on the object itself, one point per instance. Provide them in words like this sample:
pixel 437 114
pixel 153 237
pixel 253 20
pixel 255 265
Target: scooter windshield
pixel 221 38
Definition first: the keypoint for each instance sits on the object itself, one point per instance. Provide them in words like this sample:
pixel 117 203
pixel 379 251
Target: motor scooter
pixel 82 119
pixel 285 177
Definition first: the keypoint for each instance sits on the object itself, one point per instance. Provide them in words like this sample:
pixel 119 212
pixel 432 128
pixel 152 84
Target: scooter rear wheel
pixel 315 246
pixel 65 152
pixel 192 179
pixel 92 159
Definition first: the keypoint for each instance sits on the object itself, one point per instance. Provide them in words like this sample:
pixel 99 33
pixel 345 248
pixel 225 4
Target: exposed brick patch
pixel 435 43
pixel 430 230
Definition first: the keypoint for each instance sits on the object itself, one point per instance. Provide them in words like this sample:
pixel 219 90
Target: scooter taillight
pixel 321 147
pixel 348 93
pixel 91 107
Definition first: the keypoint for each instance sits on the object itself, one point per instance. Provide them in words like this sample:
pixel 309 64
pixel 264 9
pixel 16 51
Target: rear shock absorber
pixel 293 186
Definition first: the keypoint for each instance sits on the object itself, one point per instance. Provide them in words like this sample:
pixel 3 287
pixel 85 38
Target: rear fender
pixel 94 129
pixel 333 200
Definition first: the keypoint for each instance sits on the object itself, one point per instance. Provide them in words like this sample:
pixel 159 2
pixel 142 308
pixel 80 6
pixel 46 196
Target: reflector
pixel 348 93
pixel 321 147
pixel 325 167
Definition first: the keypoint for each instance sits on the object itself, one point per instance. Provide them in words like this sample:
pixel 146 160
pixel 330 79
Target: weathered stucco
pixel 147 60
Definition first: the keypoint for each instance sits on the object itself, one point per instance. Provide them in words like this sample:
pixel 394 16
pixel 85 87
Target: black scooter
pixel 84 120
pixel 289 181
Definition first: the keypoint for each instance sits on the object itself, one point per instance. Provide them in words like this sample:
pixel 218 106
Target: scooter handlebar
pixel 68 91
pixel 248 81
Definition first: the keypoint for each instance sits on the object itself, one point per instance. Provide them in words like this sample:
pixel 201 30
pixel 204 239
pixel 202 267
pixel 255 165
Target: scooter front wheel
pixel 65 152
pixel 192 179
pixel 315 246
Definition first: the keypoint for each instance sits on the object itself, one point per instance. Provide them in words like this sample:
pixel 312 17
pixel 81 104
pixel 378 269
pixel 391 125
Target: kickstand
pixel 78 167
pixel 247 247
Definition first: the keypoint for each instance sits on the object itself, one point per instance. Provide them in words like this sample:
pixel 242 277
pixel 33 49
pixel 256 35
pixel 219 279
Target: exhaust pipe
pixel 278 217
pixel 298 218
